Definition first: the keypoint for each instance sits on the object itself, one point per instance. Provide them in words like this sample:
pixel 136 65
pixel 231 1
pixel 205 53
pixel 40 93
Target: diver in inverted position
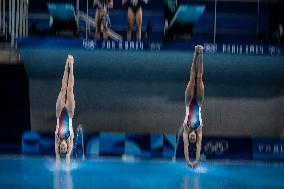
pixel 65 106
pixel 194 95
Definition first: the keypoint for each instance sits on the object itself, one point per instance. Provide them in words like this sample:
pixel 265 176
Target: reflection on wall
pixel 144 91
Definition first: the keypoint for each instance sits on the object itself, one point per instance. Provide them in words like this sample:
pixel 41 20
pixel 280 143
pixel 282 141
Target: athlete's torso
pixel 103 5
pixel 103 2
pixel 64 125
pixel 193 118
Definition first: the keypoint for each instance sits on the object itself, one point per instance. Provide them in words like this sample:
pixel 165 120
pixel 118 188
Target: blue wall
pixel 144 91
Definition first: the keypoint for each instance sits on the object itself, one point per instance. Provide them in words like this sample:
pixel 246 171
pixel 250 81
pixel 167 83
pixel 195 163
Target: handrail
pixel 14 20
pixel 92 22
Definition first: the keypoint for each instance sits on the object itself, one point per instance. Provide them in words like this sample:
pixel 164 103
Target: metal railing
pixel 90 22
pixel 14 19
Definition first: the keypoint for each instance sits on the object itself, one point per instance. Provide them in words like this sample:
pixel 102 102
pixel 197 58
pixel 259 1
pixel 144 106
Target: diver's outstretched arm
pixel 69 148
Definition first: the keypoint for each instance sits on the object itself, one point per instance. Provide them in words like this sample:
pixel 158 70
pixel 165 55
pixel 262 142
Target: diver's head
pixel 192 136
pixel 63 146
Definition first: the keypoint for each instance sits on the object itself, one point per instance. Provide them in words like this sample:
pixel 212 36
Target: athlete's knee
pixel 199 77
pixel 192 79
pixel 130 25
pixel 192 72
pixel 63 89
pixel 129 29
pixel 70 90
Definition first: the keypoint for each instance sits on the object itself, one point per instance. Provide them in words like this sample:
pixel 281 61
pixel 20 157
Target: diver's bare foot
pixel 70 59
pixel 200 49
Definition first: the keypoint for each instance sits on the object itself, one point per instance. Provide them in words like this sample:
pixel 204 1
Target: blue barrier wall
pixel 146 145
pixel 268 149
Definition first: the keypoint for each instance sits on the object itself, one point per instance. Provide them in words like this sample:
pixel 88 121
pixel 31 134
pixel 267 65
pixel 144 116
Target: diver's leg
pixel 70 101
pixel 105 32
pixel 60 103
pixel 190 88
pixel 199 78
pixel 98 25
pixel 138 18
pixel 130 20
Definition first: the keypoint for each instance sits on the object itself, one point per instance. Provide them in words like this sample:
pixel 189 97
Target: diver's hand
pixel 192 165
pixel 189 164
